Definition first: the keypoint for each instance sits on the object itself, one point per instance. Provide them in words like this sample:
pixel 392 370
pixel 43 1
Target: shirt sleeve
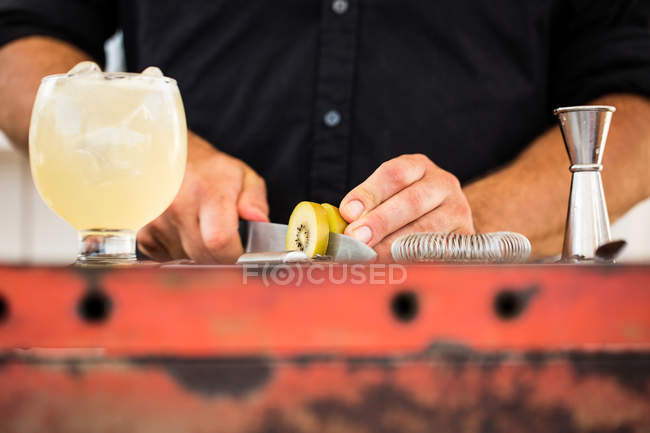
pixel 599 47
pixel 84 23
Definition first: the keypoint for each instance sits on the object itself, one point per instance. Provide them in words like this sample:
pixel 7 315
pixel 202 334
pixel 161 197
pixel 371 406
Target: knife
pixel 263 240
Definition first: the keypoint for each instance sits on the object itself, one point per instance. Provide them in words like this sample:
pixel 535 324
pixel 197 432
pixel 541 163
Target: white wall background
pixel 31 233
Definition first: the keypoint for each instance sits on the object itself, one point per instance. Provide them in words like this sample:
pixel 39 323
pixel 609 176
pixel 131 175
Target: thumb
pixel 252 204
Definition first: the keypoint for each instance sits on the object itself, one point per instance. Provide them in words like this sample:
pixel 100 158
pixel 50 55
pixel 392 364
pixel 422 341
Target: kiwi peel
pixel 336 222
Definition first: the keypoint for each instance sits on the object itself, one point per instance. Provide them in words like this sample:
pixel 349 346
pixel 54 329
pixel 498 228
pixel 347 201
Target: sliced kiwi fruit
pixel 334 218
pixel 308 229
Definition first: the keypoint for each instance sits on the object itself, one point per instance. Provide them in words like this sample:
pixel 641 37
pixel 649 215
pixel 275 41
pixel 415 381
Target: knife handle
pixel 243 232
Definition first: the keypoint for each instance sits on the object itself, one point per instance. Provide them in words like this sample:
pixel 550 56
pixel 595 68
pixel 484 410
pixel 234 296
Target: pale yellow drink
pixel 108 151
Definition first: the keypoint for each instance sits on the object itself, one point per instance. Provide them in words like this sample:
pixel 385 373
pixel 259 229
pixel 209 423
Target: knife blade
pixel 271 237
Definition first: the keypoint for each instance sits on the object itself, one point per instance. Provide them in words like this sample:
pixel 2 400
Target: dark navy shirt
pixel 315 94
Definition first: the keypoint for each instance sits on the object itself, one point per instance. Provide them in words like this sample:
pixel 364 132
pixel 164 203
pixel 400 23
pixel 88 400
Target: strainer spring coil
pixel 498 247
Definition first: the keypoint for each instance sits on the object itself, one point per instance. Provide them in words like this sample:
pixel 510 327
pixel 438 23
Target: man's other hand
pixel 404 195
pixel 201 224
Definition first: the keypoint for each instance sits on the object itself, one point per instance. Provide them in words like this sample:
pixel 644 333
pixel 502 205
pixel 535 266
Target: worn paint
pixel 200 351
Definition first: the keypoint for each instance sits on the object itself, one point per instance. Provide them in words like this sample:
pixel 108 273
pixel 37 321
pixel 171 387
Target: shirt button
pixel 340 6
pixel 332 118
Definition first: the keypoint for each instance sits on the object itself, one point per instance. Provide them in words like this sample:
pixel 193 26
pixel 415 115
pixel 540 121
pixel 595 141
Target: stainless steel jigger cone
pixel 585 130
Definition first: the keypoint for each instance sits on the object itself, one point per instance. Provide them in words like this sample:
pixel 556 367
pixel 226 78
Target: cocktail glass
pixel 107 153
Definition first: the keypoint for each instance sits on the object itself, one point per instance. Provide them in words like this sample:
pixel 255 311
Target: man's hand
pixel 404 195
pixel 201 223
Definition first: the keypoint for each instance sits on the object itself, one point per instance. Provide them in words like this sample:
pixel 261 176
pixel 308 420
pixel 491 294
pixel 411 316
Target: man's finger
pixel 149 246
pixel 192 242
pixel 447 218
pixel 166 234
pixel 219 222
pixel 183 222
pixel 398 211
pixel 390 178
pixel 252 204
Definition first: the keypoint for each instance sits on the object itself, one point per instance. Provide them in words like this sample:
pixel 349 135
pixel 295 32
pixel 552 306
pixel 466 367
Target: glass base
pixel 102 247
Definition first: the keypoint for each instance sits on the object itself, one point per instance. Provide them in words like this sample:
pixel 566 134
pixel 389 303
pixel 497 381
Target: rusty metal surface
pixel 445 349
pixel 579 393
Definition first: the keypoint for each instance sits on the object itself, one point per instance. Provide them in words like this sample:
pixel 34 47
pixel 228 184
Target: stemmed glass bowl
pixel 107 154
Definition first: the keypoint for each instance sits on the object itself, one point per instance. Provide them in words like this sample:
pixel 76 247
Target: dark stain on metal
pixel 210 377
pixel 275 421
pixel 95 307
pixel 405 305
pixel 382 362
pixel 73 368
pixel 442 351
pixel 510 303
pixel 448 351
pixel 307 359
pixel 536 359
pixel 386 409
pixel 459 355
pixel 4 309
pixel 374 410
pixel 631 370
pixel 353 363
pixel 491 361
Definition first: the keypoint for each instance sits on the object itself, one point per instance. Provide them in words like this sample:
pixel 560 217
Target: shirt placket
pixel 333 104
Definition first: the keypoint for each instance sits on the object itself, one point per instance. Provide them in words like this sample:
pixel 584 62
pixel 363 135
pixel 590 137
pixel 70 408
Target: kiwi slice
pixel 334 218
pixel 308 229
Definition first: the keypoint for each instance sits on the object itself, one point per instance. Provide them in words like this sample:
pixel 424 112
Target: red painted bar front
pixel 325 348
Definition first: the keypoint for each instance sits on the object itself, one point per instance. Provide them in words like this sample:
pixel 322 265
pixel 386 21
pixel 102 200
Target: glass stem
pixel 106 247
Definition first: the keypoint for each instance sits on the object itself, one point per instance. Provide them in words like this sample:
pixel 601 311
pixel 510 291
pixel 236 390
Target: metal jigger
pixel 585 132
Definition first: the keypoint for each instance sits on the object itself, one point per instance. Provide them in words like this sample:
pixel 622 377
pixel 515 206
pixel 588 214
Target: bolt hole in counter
pixel 95 307
pixel 405 306
pixel 510 303
pixel 4 309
